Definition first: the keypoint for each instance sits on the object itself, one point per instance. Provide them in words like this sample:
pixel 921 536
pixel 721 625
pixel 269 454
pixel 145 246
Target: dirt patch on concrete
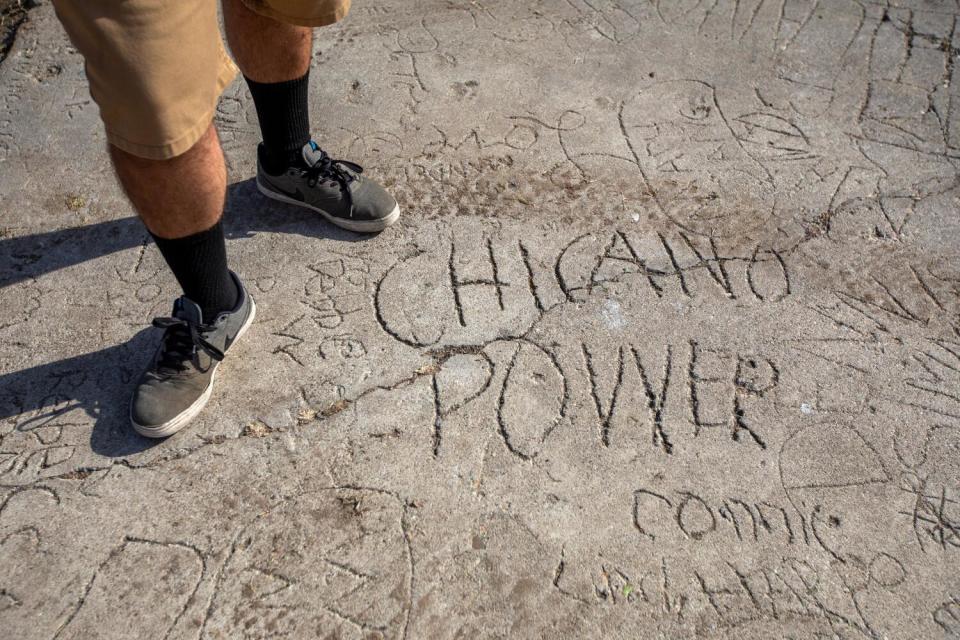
pixel 13 13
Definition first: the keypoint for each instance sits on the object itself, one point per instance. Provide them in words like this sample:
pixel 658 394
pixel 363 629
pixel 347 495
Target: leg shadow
pixel 246 213
pixel 53 405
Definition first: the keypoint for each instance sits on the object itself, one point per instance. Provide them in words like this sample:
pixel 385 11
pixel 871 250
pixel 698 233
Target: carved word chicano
pixel 475 292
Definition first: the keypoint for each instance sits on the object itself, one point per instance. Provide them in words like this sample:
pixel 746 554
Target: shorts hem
pixel 185 141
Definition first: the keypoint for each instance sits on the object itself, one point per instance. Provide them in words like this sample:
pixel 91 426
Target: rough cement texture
pixel 667 343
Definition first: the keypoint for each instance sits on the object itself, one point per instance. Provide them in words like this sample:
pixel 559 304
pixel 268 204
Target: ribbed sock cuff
pixel 283 115
pixel 199 263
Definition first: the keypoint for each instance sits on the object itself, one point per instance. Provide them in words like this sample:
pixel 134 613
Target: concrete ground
pixel 667 342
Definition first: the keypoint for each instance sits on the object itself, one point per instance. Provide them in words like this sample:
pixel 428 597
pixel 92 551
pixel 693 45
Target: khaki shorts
pixel 156 68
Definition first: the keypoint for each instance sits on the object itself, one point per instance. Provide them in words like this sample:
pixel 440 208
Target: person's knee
pixel 176 196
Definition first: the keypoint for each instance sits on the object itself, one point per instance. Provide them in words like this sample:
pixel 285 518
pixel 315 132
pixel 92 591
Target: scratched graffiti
pixel 666 344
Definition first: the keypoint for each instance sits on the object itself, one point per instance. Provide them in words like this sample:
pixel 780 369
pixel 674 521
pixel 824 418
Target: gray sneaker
pixel 178 383
pixel 334 189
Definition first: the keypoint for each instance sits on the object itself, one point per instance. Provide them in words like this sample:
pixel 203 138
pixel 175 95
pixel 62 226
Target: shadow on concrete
pixel 68 393
pixel 246 213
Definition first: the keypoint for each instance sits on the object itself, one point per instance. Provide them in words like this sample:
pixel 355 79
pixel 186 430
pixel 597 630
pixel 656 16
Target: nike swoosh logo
pixel 296 194
pixel 232 337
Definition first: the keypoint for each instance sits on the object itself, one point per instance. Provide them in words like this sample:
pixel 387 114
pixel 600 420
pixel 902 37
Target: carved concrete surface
pixel 667 343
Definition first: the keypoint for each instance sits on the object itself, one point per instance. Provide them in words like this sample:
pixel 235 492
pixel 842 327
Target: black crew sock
pixel 284 120
pixel 199 262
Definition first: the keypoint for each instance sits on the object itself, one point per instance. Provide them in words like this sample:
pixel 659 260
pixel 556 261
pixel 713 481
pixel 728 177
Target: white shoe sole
pixel 181 420
pixel 359 226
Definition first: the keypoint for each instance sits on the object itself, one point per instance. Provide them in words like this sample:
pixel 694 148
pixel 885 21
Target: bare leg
pixel 180 196
pixel 184 195
pixel 275 59
pixel 264 49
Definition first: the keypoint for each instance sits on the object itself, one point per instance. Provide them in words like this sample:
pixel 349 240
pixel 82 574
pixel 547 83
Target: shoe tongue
pixel 311 153
pixel 186 309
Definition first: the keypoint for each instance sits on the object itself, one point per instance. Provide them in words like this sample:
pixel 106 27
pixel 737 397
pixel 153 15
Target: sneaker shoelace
pixel 180 343
pixel 337 170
